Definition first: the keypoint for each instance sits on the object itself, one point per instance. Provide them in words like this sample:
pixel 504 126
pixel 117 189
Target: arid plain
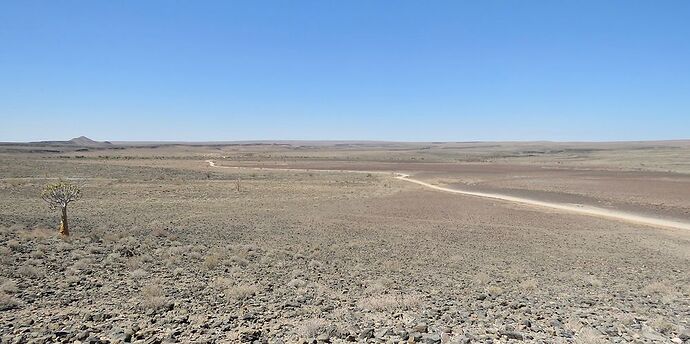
pixel 295 242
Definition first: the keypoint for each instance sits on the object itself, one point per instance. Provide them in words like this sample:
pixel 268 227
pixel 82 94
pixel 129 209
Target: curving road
pixel 569 208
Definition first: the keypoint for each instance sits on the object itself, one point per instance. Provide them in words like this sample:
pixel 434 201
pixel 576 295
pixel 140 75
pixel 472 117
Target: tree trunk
pixel 64 230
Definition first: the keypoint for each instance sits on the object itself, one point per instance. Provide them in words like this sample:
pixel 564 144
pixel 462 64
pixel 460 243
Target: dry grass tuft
pixel 9 286
pixel 379 286
pixel 482 278
pixel 7 302
pixel 529 285
pixel 494 290
pixel 313 327
pixel 390 302
pixel 661 325
pixel 29 271
pixel 14 245
pixel 152 297
pixel 212 261
pixel 240 292
pixel 138 274
pixel 6 256
pixel 664 291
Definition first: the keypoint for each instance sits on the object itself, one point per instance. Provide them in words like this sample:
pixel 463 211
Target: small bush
pixel 29 271
pixel 240 292
pixel 529 285
pixel 663 290
pixel 7 302
pixel 6 256
pixel 313 327
pixel 212 261
pixel 9 286
pixel 482 278
pixel 152 297
pixel 14 245
pixel 661 325
pixel 138 274
pixel 390 302
pixel 494 290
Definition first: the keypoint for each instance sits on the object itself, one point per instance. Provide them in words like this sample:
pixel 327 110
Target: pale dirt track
pixel 569 208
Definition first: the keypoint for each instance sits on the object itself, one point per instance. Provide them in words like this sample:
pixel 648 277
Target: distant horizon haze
pixel 404 71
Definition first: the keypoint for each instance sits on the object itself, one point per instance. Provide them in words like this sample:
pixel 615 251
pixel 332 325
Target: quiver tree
pixel 58 196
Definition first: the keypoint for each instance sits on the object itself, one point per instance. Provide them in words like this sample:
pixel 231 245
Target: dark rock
pixel 512 335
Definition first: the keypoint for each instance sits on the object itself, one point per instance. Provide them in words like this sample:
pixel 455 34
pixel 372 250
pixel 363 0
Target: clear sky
pixel 379 70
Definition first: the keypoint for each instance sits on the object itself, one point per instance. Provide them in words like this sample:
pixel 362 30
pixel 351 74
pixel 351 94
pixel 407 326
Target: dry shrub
pixel 195 255
pixel 482 278
pixel 29 271
pixel 138 274
pixel 6 256
pixel 588 335
pixel 38 233
pixel 389 302
pixel 410 301
pixel 178 272
pixel 72 279
pixel 661 325
pixel 379 286
pixel 138 262
pixel 152 297
pixel 14 245
pixel 529 285
pixel 112 259
pixel 663 290
pixel 494 290
pixel 7 302
pixel 380 303
pixel 240 292
pixel 93 249
pixel 63 245
pixel 313 327
pixel 178 250
pixel 221 283
pixel 78 254
pixel 212 261
pixel 9 286
pixel 239 261
pixel 37 253
pixel 82 264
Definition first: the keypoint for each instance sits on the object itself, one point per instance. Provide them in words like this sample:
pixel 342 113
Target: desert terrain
pixel 325 242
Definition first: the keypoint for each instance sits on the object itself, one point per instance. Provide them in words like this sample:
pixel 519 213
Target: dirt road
pixel 570 208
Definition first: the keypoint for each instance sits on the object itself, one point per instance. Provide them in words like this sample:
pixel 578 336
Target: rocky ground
pixel 179 255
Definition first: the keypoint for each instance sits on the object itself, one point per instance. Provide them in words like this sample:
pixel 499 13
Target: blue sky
pixel 379 70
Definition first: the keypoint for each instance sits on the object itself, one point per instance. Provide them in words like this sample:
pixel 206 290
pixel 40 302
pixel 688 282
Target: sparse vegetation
pixel 164 254
pixel 240 292
pixel 7 302
pixel 152 297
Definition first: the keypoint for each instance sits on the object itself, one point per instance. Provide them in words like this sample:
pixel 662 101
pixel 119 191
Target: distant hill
pixel 87 142
pixel 81 141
